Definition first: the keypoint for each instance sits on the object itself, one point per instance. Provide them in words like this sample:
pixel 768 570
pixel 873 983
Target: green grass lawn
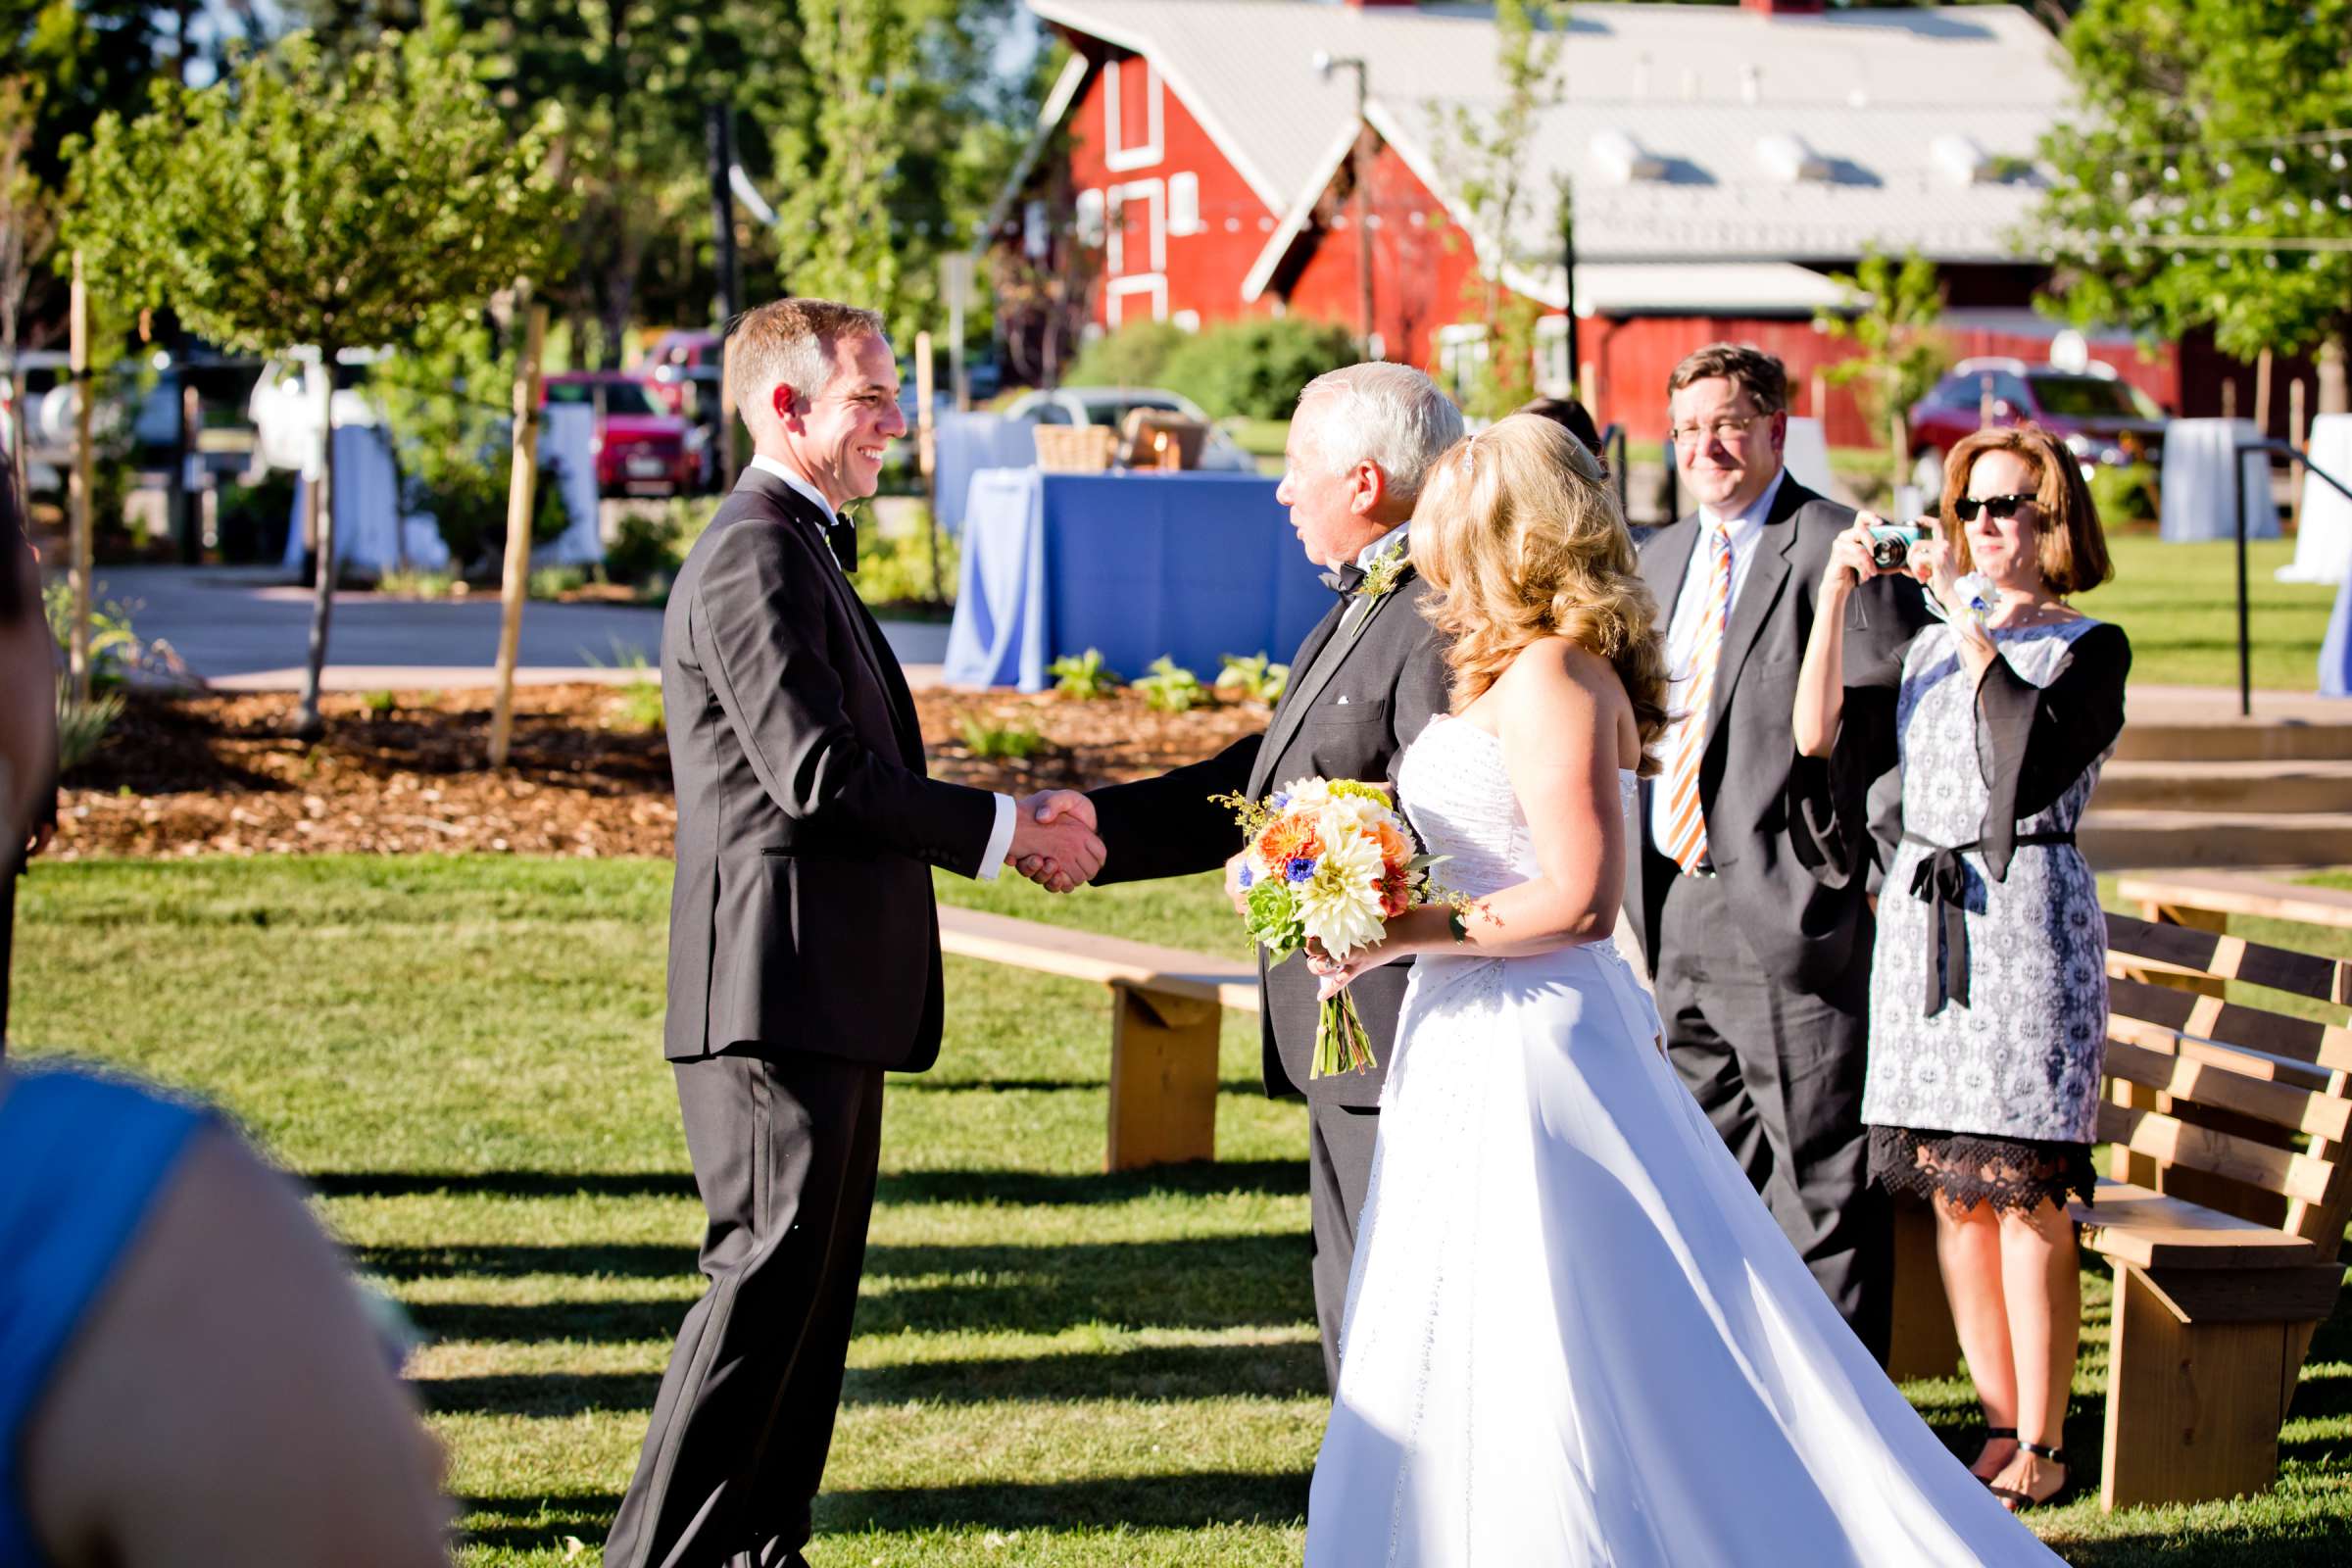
pixel 1052 1366
pixel 2179 604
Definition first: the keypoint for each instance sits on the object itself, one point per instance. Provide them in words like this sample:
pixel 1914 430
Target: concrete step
pixel 2123 839
pixel 2234 740
pixel 2289 786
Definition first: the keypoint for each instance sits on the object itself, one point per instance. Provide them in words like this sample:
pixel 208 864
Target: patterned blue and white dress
pixel 1988 985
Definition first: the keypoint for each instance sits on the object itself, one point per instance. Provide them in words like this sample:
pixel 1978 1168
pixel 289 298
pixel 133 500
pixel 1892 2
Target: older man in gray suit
pixel 804 944
pixel 1762 971
pixel 1367 679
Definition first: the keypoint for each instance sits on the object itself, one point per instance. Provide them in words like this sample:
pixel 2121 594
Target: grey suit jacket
pixel 1799 930
pixel 1391 682
pixel 800 918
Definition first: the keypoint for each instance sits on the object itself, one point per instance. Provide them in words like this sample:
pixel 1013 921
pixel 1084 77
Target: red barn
pixel 1722 162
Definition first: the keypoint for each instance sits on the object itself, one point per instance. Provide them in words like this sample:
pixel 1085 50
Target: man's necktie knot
pixel 1345 578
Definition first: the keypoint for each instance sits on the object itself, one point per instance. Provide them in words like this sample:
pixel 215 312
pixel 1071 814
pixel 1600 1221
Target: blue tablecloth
pixel 1195 566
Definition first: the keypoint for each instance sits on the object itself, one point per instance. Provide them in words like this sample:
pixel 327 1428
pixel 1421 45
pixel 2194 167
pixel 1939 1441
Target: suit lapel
pixel 800 513
pixel 1767 575
pixel 1666 562
pixel 1319 673
pixel 1285 718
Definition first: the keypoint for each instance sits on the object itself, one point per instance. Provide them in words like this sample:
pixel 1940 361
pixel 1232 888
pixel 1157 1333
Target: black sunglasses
pixel 1965 507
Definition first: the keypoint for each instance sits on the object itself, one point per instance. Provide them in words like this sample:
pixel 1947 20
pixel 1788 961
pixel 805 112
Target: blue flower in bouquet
pixel 1248 878
pixel 1301 869
pixel 1281 800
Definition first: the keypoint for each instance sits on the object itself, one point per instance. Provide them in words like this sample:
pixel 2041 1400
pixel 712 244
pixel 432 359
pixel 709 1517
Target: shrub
pixel 418 584
pixel 1008 742
pixel 898 570
pixel 1133 356
pixel 650 546
pixel 1083 675
pixel 1170 687
pixel 81 727
pixel 554 582
pixel 1255 368
pixel 254 518
pixel 1257 679
pixel 637 700
pixel 115 649
pixel 380 705
pixel 2126 494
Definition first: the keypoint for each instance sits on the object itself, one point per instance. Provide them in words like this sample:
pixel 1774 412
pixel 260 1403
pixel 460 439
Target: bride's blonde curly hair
pixel 1522 539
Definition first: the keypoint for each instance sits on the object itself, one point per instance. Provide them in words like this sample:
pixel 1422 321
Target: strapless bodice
pixel 1458 797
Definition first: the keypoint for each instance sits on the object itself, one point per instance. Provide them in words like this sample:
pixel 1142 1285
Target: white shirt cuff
pixel 1000 842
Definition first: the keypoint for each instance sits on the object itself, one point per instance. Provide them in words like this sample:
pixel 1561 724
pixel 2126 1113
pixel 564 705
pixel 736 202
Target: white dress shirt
pixel 1746 530
pixel 1000 840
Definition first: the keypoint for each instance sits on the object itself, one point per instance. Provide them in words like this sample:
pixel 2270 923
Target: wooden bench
pixel 2222 1215
pixel 2206 900
pixel 1166 1004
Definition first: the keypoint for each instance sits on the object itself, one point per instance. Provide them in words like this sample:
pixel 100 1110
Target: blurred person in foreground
pixel 1574 418
pixel 31 798
pixel 1989 986
pixel 186 1374
pixel 804 942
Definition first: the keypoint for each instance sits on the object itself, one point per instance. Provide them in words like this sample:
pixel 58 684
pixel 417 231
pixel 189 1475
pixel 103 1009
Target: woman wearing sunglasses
pixel 1988 984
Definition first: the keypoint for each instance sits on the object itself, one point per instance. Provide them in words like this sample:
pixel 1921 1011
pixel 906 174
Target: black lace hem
pixel 2015 1175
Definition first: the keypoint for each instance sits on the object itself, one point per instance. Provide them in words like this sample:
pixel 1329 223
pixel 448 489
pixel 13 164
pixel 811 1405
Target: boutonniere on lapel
pixel 1382 575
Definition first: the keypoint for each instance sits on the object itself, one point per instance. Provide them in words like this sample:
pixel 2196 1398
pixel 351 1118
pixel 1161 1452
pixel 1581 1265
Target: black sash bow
pixel 1940 881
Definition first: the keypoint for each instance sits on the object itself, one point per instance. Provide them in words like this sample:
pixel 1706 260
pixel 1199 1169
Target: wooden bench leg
pixel 1925 1344
pixel 2192 1408
pixel 1163 1079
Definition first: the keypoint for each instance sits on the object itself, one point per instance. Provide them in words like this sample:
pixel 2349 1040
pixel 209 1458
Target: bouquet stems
pixel 1342 1044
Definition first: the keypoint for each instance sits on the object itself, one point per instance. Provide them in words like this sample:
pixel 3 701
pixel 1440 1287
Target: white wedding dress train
pixel 1574 1333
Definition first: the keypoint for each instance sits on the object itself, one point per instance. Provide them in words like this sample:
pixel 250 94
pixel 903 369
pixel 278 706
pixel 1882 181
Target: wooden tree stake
pixel 523 495
pixel 77 554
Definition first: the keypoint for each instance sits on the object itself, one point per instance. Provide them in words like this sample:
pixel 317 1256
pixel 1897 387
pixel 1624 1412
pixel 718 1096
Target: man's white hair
pixel 1391 415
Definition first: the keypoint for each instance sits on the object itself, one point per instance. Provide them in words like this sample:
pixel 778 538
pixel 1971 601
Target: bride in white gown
pixel 1574 1334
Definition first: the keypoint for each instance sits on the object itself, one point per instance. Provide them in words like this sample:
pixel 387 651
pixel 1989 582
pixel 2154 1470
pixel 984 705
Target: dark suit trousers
pixel 1779 1072
pixel 1339 1169
pixel 784 1153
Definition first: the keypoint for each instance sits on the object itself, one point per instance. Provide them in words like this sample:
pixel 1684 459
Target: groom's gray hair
pixel 1391 415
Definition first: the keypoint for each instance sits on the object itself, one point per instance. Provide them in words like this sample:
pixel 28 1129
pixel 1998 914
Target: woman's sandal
pixel 2017 1501
pixel 1994 1435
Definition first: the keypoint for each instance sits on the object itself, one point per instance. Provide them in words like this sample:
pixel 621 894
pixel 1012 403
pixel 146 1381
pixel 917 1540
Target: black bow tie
pixel 1344 579
pixel 842 534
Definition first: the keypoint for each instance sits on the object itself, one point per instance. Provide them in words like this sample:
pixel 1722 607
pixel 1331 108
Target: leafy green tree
pixel 1490 147
pixel 1257 367
pixel 306 202
pixel 1890 313
pixel 1136 355
pixel 2199 184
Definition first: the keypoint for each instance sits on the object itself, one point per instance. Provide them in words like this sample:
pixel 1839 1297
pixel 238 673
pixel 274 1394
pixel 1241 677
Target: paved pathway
pixel 247 630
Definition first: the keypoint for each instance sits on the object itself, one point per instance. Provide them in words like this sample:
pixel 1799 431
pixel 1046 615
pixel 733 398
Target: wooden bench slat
pixel 2208 1018
pixel 2238 893
pixel 2246 1062
pixel 2166 1062
pixel 2134 1225
pixel 2240 1160
pixel 1086 956
pixel 2184 948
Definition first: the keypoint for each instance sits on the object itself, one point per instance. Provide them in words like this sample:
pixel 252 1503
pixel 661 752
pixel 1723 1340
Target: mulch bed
pixel 217 775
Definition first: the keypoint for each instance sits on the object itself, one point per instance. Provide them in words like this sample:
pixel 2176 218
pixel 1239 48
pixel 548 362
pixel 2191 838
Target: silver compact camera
pixel 1892 543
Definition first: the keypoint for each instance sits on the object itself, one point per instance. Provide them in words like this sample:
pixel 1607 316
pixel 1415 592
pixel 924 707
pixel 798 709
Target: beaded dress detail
pixel 1574 1334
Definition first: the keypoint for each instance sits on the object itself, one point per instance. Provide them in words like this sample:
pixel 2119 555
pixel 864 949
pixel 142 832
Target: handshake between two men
pixel 1053 841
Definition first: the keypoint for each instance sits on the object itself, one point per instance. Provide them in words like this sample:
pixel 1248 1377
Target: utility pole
pixel 1576 387
pixel 719 137
pixel 1325 64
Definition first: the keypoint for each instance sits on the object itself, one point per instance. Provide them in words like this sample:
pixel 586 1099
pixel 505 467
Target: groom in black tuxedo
pixel 1366 680
pixel 804 944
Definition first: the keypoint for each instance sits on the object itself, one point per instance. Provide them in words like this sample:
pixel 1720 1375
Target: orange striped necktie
pixel 1686 819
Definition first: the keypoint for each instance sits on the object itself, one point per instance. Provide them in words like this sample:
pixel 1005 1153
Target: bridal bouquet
pixel 1332 860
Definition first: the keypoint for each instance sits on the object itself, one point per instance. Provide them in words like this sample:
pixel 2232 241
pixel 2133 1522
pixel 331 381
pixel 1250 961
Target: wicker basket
pixel 1075 448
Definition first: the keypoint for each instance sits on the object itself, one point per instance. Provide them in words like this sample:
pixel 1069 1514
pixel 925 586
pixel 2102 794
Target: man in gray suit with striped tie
pixel 1762 971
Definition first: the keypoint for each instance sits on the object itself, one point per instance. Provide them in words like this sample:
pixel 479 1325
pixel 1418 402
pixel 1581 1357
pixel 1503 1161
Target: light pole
pixel 1325 64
